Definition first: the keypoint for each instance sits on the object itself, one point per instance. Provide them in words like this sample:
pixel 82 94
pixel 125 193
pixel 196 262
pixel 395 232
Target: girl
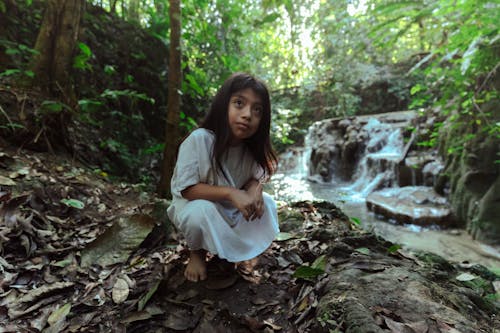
pixel 218 203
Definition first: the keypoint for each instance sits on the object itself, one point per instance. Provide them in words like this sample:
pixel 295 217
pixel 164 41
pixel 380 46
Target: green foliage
pixel 53 107
pixel 462 41
pixel 310 272
pixel 73 203
pixel 187 122
pixel 81 60
pixel 17 72
pixel 394 248
pixel 355 221
pixel 19 55
pixel 284 121
pixel 133 95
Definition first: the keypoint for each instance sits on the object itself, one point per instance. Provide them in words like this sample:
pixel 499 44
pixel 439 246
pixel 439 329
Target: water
pixel 293 183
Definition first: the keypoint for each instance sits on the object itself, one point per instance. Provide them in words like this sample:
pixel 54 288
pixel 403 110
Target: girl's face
pixel 244 114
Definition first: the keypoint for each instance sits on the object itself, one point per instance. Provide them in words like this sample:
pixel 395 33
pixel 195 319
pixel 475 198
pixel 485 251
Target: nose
pixel 246 112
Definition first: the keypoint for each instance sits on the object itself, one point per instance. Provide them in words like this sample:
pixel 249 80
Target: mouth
pixel 242 126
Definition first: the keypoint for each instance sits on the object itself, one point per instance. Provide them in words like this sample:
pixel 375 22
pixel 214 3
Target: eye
pixel 258 111
pixel 238 103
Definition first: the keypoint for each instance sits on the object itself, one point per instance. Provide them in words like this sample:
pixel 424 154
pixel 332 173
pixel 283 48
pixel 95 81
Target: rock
pixel 411 204
pixel 420 168
pixel 473 176
pixel 338 146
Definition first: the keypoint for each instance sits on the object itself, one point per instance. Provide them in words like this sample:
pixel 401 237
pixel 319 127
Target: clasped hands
pixel 249 200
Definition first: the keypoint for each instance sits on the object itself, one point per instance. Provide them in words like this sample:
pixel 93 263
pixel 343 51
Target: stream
pixel 292 182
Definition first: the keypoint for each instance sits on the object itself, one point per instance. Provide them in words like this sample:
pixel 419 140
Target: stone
pixel 411 204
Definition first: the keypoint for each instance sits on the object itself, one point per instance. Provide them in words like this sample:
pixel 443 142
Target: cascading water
pixel 376 168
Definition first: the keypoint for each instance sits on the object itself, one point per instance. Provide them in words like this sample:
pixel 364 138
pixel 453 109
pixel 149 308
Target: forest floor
pixel 82 253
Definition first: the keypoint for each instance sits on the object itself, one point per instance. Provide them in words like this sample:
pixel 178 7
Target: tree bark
pixel 174 99
pixel 55 45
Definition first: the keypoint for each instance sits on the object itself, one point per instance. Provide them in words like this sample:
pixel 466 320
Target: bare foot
pixel 196 269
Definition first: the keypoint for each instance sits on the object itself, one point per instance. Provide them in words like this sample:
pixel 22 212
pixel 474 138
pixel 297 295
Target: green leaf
pixel 355 220
pixel 393 248
pixel 144 299
pixel 416 88
pixel 319 263
pixel 269 18
pixel 30 74
pixel 85 49
pixel 54 106
pixel 363 250
pixel 194 85
pixel 9 72
pixel 73 203
pixel 284 236
pixel 306 272
pixel 108 69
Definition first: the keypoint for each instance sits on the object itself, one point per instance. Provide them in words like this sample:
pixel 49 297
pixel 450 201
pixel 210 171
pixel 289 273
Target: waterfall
pixel 377 167
pixel 382 148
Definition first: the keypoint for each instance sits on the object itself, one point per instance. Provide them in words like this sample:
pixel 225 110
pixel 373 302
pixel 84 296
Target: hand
pixel 254 189
pixel 244 202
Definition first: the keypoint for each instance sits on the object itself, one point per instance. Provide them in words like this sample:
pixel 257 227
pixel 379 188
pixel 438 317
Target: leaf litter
pixel 79 253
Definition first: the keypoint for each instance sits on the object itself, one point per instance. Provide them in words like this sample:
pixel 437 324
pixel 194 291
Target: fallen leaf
pixel 270 323
pixel 144 299
pixel 466 277
pixel 419 327
pixel 187 295
pixel 284 236
pixel 306 272
pixel 73 203
pixel 6 181
pixel 136 316
pixel 59 314
pixel 120 291
pixel 319 263
pixel 397 327
pixel 117 243
pixel 182 319
pixel 363 250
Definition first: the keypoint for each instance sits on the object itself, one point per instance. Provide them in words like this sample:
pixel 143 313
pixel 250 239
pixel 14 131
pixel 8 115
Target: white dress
pixel 218 227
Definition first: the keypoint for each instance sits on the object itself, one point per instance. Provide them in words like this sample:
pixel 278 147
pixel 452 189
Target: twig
pixel 488 77
pixel 7 116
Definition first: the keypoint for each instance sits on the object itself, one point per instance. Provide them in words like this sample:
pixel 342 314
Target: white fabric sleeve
pixel 259 173
pixel 193 164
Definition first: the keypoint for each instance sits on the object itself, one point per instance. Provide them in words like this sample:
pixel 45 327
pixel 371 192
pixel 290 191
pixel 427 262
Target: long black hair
pixel 217 121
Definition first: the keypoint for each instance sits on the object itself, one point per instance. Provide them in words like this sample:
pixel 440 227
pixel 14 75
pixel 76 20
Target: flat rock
pixel 411 204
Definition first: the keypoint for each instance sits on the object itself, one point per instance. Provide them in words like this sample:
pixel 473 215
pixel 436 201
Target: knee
pixel 196 211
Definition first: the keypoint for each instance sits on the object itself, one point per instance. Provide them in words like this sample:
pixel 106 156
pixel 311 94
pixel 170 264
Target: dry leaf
pixel 120 291
pixel 7 181
pixel 59 314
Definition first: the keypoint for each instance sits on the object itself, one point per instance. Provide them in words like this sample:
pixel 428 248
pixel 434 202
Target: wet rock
pixel 338 146
pixel 411 204
pixel 420 168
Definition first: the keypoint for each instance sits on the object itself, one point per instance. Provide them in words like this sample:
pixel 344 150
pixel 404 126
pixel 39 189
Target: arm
pixel 240 199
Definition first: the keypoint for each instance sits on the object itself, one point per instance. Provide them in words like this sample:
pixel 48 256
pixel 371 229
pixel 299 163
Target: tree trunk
pixel 55 44
pixel 174 99
pixel 112 6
